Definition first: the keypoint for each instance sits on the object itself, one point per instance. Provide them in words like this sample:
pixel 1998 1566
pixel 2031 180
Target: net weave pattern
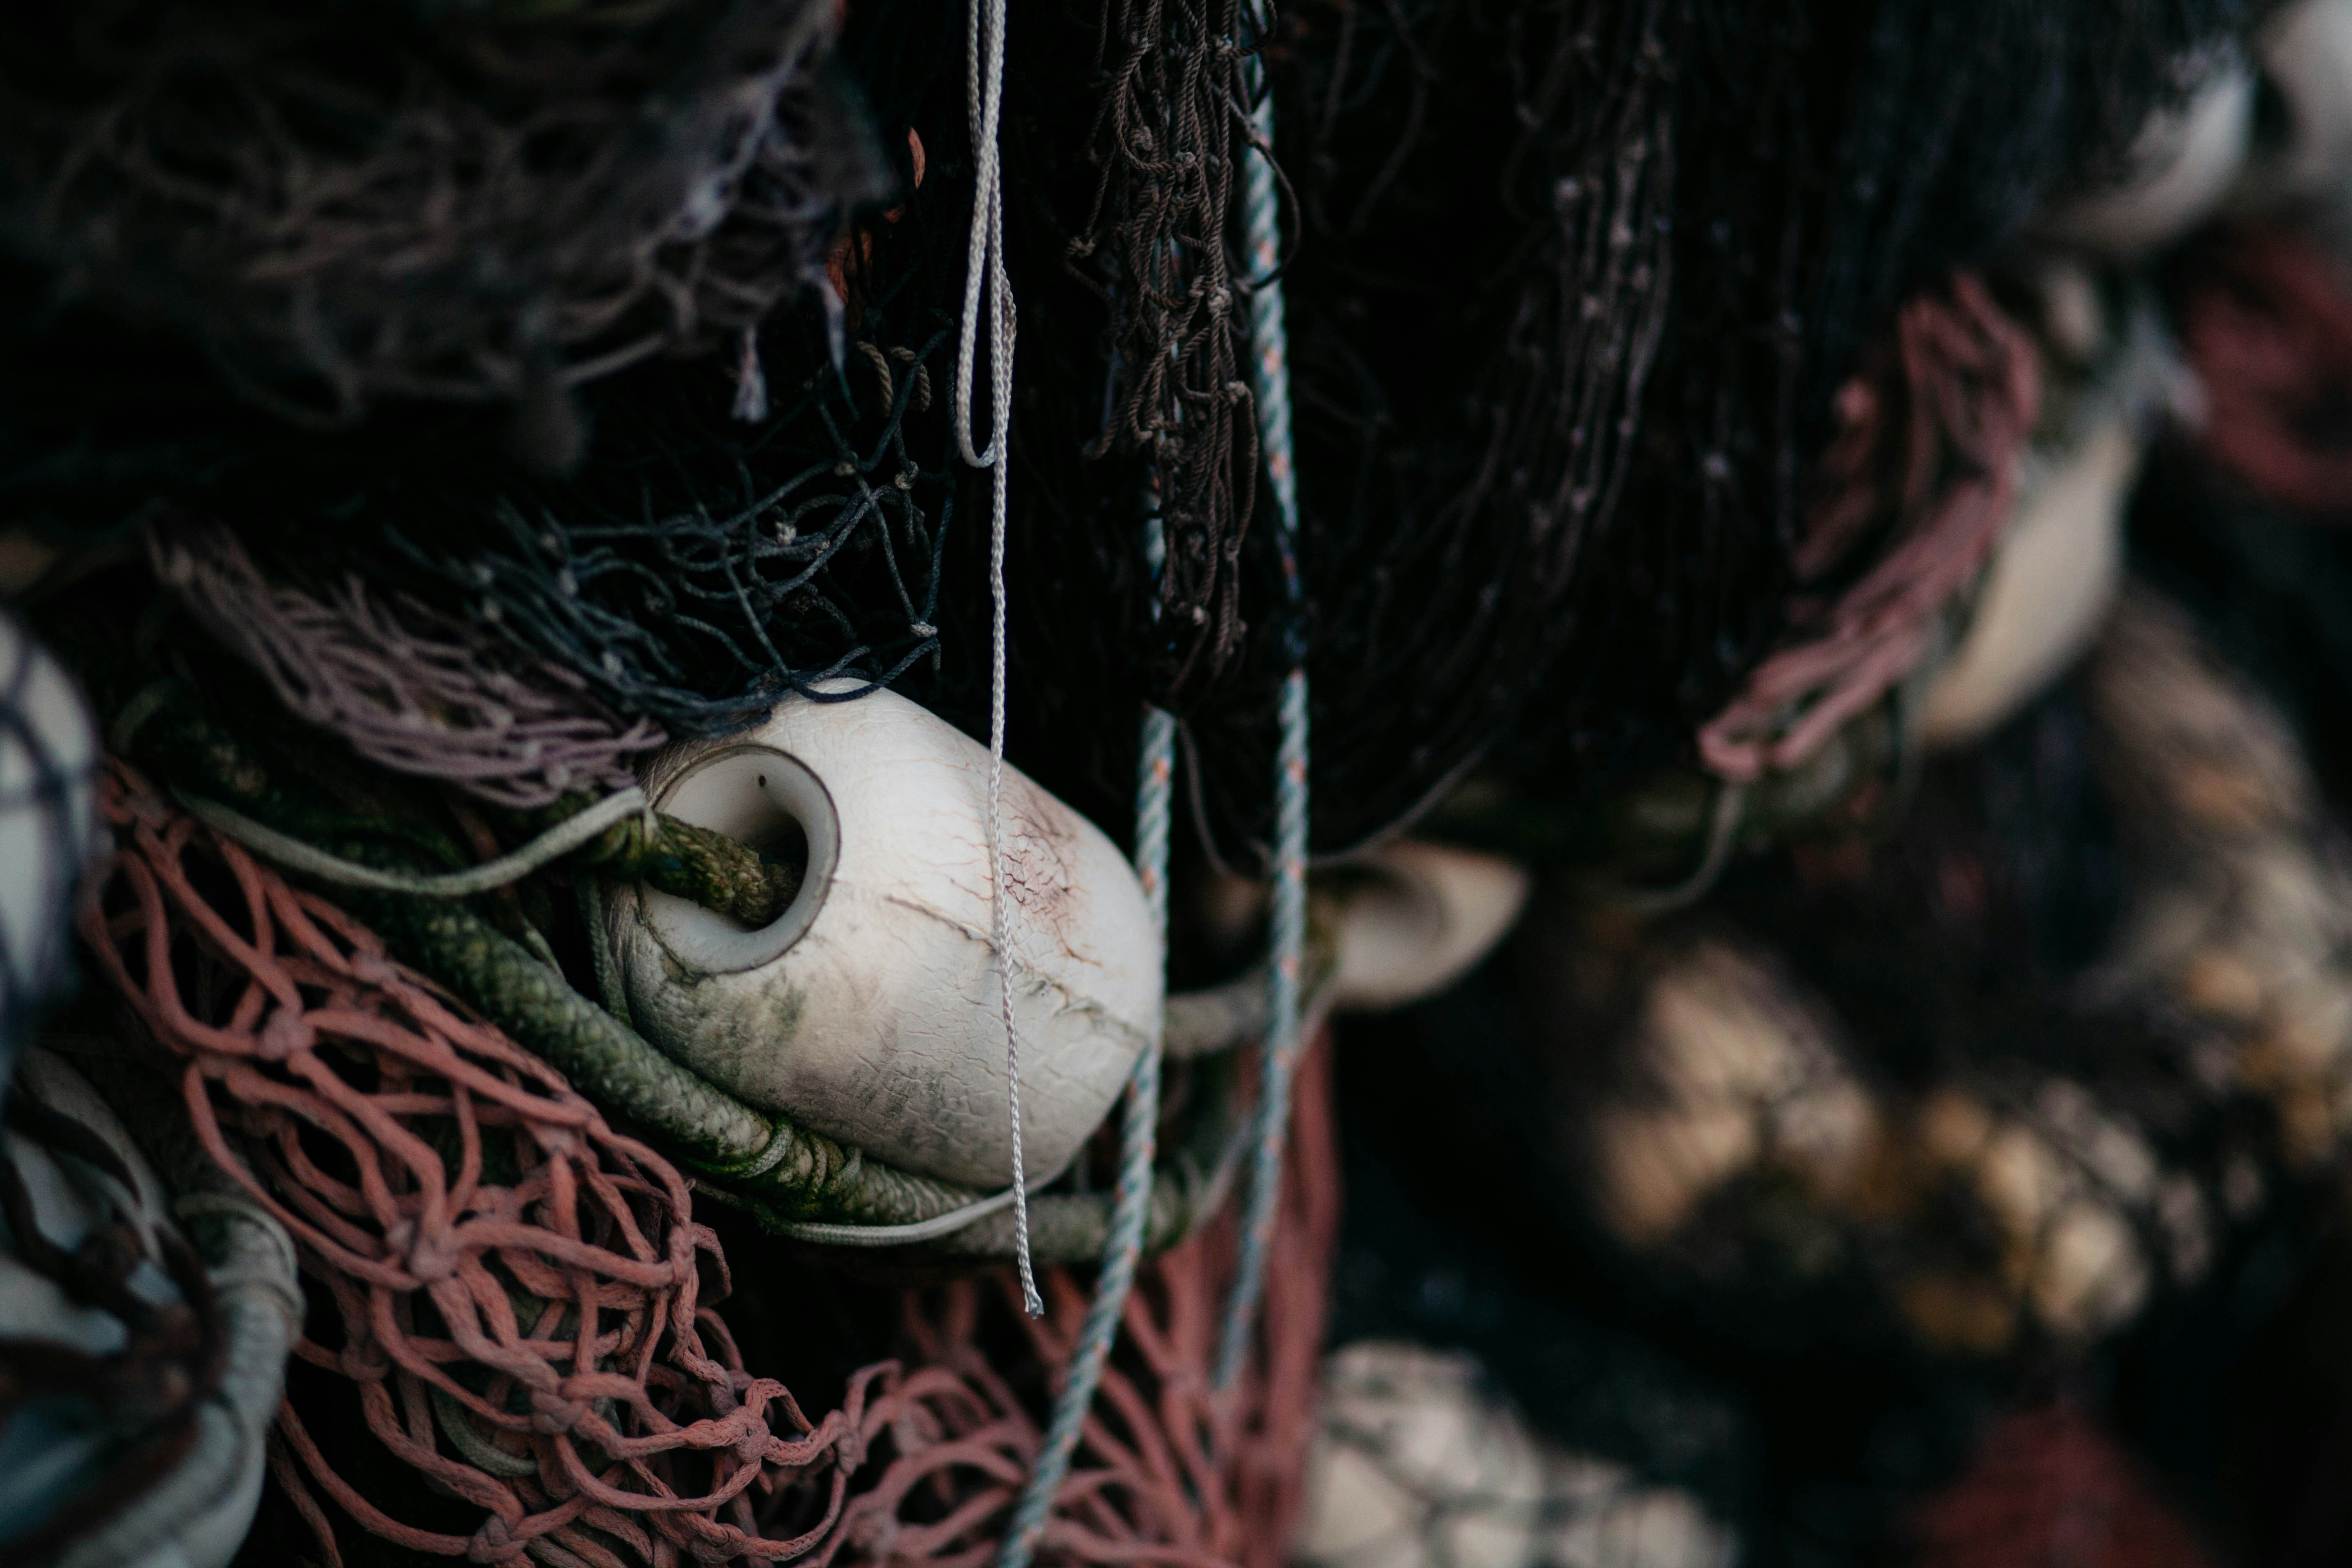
pixel 522 1293
pixel 410 688
pixel 365 206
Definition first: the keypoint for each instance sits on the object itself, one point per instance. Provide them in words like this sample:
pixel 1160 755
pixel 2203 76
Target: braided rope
pixel 1131 1208
pixel 1270 379
pixel 984 264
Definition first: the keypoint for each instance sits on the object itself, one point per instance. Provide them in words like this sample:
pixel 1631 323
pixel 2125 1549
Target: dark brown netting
pixel 347 203
pixel 1168 136
pixel 520 1294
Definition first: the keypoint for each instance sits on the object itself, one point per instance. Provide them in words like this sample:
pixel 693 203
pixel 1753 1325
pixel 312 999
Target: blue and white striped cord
pixel 984 264
pixel 1131 1203
pixel 1270 382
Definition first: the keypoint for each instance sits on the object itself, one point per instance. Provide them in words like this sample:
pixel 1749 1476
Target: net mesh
pixel 2265 315
pixel 369 204
pixel 410 690
pixel 520 1300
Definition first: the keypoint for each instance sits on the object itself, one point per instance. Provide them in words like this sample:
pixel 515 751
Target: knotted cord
pixel 985 266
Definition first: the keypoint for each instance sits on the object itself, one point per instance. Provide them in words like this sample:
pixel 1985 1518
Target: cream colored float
pixel 869 1011
pixel 2049 587
pixel 2110 371
pixel 1421 918
pixel 2305 51
pixel 2181 166
pixel 1417 1463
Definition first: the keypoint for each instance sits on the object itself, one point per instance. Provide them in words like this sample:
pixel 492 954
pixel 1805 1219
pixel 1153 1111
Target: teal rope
pixel 1270 382
pixel 1155 794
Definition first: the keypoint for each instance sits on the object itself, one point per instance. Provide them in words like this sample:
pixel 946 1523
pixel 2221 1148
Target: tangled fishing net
pixel 2266 317
pixel 1168 136
pixel 401 203
pixel 1927 458
pixel 410 689
pixel 523 1303
pixel 701 568
pixel 1575 292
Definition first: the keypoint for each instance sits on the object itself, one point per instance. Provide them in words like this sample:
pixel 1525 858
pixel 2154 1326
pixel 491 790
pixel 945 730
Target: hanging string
pixel 1131 1199
pixel 1270 380
pixel 984 263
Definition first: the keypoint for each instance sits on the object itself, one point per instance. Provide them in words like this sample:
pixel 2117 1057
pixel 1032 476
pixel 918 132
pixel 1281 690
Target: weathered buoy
pixel 869 1010
pixel 1420 917
pixel 1419 1462
pixel 2304 53
pixel 2109 372
pixel 2180 168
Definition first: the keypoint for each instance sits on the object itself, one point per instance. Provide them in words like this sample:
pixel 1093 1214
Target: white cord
pixel 984 262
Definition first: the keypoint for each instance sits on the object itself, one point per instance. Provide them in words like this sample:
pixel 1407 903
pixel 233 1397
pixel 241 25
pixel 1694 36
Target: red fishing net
pixel 521 1296
pixel 2048 1490
pixel 2266 318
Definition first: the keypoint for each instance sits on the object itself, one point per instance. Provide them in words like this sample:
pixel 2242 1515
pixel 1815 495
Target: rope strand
pixel 984 265
pixel 1270 379
pixel 1131 1201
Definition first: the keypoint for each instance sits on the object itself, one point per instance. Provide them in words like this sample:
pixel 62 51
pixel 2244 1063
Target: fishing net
pixel 1167 137
pixel 410 690
pixel 701 568
pixel 1420 1462
pixel 388 202
pixel 518 1299
pixel 1933 445
pixel 2265 315
pixel 2047 1486
pixel 1976 1088
pixel 1576 289
pixel 1553 418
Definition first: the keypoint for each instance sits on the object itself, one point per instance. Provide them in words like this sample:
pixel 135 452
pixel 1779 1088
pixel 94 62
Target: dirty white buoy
pixel 869 1010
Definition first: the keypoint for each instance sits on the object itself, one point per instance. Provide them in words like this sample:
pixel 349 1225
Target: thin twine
pixel 1131 1199
pixel 1270 378
pixel 984 97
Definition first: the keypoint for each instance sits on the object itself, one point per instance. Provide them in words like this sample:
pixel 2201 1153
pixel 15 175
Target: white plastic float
pixel 2305 55
pixel 869 1010
pixel 2182 165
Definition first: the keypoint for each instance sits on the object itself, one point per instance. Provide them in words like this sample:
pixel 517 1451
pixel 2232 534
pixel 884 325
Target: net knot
pixel 364 1361
pixel 494 1542
pixel 371 968
pixel 552 1414
pixel 286 1034
pixel 432 1258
